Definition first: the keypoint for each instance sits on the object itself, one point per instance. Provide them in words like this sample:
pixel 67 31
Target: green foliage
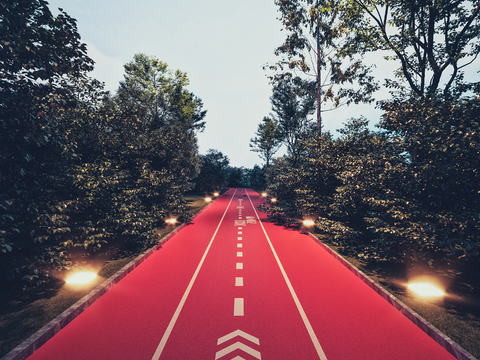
pixel 214 171
pixel 432 40
pixel 159 94
pixel 409 192
pixel 35 154
pixel 291 109
pixel 81 169
pixel 267 140
pixel 315 29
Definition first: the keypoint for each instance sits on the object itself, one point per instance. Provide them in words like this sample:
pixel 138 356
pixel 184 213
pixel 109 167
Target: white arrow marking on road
pixel 240 223
pixel 238 358
pixel 238 345
pixel 241 333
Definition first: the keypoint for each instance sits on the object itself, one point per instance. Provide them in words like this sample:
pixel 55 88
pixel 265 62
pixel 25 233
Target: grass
pixel 24 312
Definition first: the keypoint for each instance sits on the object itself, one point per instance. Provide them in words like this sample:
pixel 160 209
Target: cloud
pixel 107 69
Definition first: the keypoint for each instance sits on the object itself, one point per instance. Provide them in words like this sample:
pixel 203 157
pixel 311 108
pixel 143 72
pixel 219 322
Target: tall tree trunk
pixel 319 80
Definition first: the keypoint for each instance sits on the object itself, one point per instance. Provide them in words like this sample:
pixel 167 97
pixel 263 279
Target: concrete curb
pixel 448 344
pixel 34 342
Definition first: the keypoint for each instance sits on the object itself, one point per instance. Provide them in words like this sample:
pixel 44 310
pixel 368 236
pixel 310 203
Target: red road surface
pixel 231 287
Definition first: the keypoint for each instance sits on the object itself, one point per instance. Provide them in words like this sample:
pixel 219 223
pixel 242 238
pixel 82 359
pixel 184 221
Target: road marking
pixel 239 228
pixel 170 326
pixel 310 330
pixel 240 346
pixel 240 233
pixel 239 254
pixel 239 266
pixel 239 245
pixel 240 223
pixel 236 333
pixel 238 307
pixel 239 281
pixel 239 238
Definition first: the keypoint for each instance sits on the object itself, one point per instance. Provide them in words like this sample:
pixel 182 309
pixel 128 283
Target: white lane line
pixel 239 254
pixel 238 307
pixel 239 238
pixel 239 228
pixel 170 326
pixel 239 245
pixel 239 281
pixel 239 266
pixel 310 330
pixel 239 233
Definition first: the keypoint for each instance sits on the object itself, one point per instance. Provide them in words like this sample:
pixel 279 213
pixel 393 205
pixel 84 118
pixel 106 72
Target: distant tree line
pixel 81 168
pixel 408 191
pixel 217 174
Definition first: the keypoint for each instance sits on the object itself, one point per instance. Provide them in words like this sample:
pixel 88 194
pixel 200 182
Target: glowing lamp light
pixel 171 221
pixel 274 200
pixel 208 199
pixel 264 194
pixel 216 194
pixel 81 278
pixel 425 289
pixel 308 222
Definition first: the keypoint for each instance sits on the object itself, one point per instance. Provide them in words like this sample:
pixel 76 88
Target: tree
pixel 38 53
pixel 291 109
pixel 267 140
pixel 433 40
pixel 214 171
pixel 160 94
pixel 314 30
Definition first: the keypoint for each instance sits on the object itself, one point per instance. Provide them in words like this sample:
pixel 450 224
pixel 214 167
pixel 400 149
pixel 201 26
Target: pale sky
pixel 220 44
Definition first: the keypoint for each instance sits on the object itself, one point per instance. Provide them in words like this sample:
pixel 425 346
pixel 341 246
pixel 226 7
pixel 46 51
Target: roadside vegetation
pixel 23 311
pixel 82 169
pixel 409 189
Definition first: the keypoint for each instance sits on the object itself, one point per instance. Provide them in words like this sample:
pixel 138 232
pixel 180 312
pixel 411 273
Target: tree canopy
pixel 267 140
pixel 82 169
pixel 432 40
pixel 315 29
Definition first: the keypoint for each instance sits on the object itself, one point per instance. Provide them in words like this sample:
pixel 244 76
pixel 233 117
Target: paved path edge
pixel 443 340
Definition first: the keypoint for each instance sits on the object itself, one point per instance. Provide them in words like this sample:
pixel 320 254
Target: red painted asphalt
pixel 286 295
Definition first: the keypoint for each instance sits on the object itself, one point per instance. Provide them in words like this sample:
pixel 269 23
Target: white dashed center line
pixel 239 254
pixel 239 281
pixel 239 266
pixel 238 307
